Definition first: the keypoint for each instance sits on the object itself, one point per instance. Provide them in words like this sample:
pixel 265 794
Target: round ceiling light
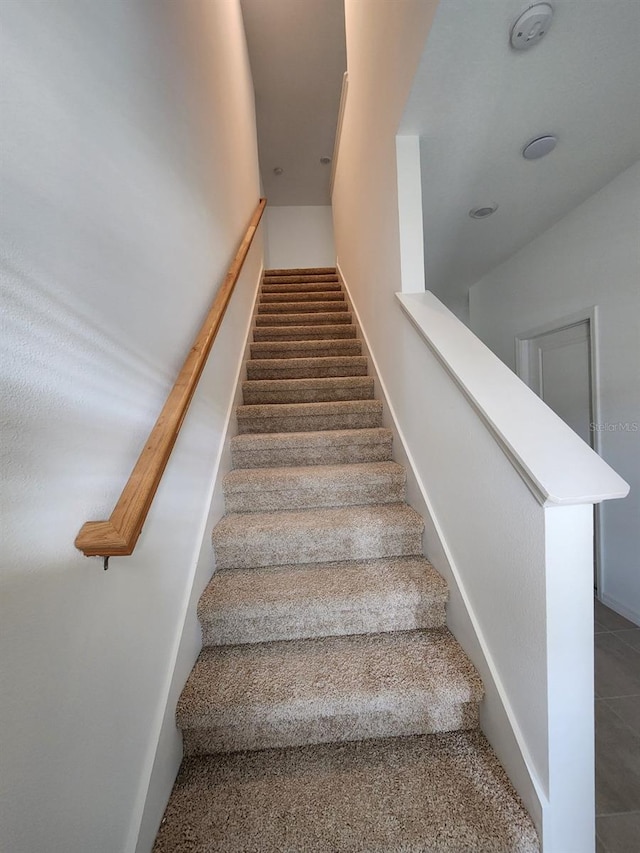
pixel 483 211
pixel 278 170
pixel 539 147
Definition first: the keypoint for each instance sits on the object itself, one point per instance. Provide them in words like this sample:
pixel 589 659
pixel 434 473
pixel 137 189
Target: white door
pixel 560 373
pixel 557 365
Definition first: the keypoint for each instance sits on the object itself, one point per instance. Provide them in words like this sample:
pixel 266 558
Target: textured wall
pixel 129 173
pixel 591 257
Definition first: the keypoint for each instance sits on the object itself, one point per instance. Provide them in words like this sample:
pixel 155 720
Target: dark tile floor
pixel 617 661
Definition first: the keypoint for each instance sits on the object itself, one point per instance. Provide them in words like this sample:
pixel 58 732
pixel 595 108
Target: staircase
pixel 330 708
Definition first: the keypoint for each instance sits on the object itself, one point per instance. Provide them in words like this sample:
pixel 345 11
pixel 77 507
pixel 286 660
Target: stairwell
pixel 330 708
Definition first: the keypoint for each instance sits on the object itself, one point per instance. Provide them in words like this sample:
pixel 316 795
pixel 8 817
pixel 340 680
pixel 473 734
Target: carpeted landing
pixel 330 708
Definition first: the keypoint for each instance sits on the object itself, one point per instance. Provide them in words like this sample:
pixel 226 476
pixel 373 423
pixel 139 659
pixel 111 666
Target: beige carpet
pixel 444 794
pixel 330 708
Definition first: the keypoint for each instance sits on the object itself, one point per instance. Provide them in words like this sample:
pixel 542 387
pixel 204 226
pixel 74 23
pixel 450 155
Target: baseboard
pixel 498 720
pixel 166 757
pixel 622 609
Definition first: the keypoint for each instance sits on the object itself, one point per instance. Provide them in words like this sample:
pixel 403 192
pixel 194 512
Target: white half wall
pixel 591 257
pixel 299 237
pixel 129 174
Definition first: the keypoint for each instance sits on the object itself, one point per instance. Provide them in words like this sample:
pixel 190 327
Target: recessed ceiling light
pixel 278 170
pixel 325 160
pixel 483 211
pixel 539 147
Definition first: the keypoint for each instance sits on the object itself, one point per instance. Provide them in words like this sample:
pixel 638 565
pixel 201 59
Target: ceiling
pixel 475 103
pixel 298 56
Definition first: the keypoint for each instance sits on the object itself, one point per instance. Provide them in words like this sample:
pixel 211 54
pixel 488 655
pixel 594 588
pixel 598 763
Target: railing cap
pixel 555 463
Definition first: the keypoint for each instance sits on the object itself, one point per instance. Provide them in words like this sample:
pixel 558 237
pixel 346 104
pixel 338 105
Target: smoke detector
pixel 531 26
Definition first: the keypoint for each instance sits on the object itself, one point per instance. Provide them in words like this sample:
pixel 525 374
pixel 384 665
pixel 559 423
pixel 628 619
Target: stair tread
pixel 304 318
pixel 300 271
pixel 312 476
pixel 309 416
pixel 322 599
pixel 318 438
pixel 307 307
pixel 307 486
pixel 287 586
pixel 244 540
pixel 307 333
pixel 306 360
pixel 445 793
pixel 328 518
pixel 318 389
pixel 302 278
pixel 315 278
pixel 307 367
pixel 282 410
pixel 269 298
pixel 309 382
pixel 328 676
pixel 301 287
pixel 285 350
pixel 320 447
pixel 301 417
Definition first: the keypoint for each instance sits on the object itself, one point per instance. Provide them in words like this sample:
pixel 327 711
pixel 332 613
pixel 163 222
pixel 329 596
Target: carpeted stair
pixel 330 708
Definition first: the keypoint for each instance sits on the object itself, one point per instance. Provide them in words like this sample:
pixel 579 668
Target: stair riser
pixel 331 495
pixel 317 296
pixel 301 271
pixel 306 368
pixel 330 318
pixel 282 351
pixel 338 306
pixel 301 279
pixel 282 622
pixel 397 717
pixel 258 397
pixel 303 287
pixel 327 546
pixel 312 455
pixel 306 423
pixel 307 333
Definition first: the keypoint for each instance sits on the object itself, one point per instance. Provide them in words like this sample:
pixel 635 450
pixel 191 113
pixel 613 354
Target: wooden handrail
pixel 118 535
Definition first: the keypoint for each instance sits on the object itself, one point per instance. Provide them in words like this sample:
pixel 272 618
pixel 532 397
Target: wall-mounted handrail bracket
pixel 118 535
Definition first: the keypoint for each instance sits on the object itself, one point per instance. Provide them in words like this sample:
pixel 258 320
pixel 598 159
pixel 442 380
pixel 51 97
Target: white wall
pixel 129 173
pixel 384 43
pixel 590 257
pixel 299 237
pixel 410 214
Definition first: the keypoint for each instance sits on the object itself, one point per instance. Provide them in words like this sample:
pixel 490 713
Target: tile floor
pixel 617 661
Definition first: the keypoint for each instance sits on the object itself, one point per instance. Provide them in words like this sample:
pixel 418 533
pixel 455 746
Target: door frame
pixel 589 315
